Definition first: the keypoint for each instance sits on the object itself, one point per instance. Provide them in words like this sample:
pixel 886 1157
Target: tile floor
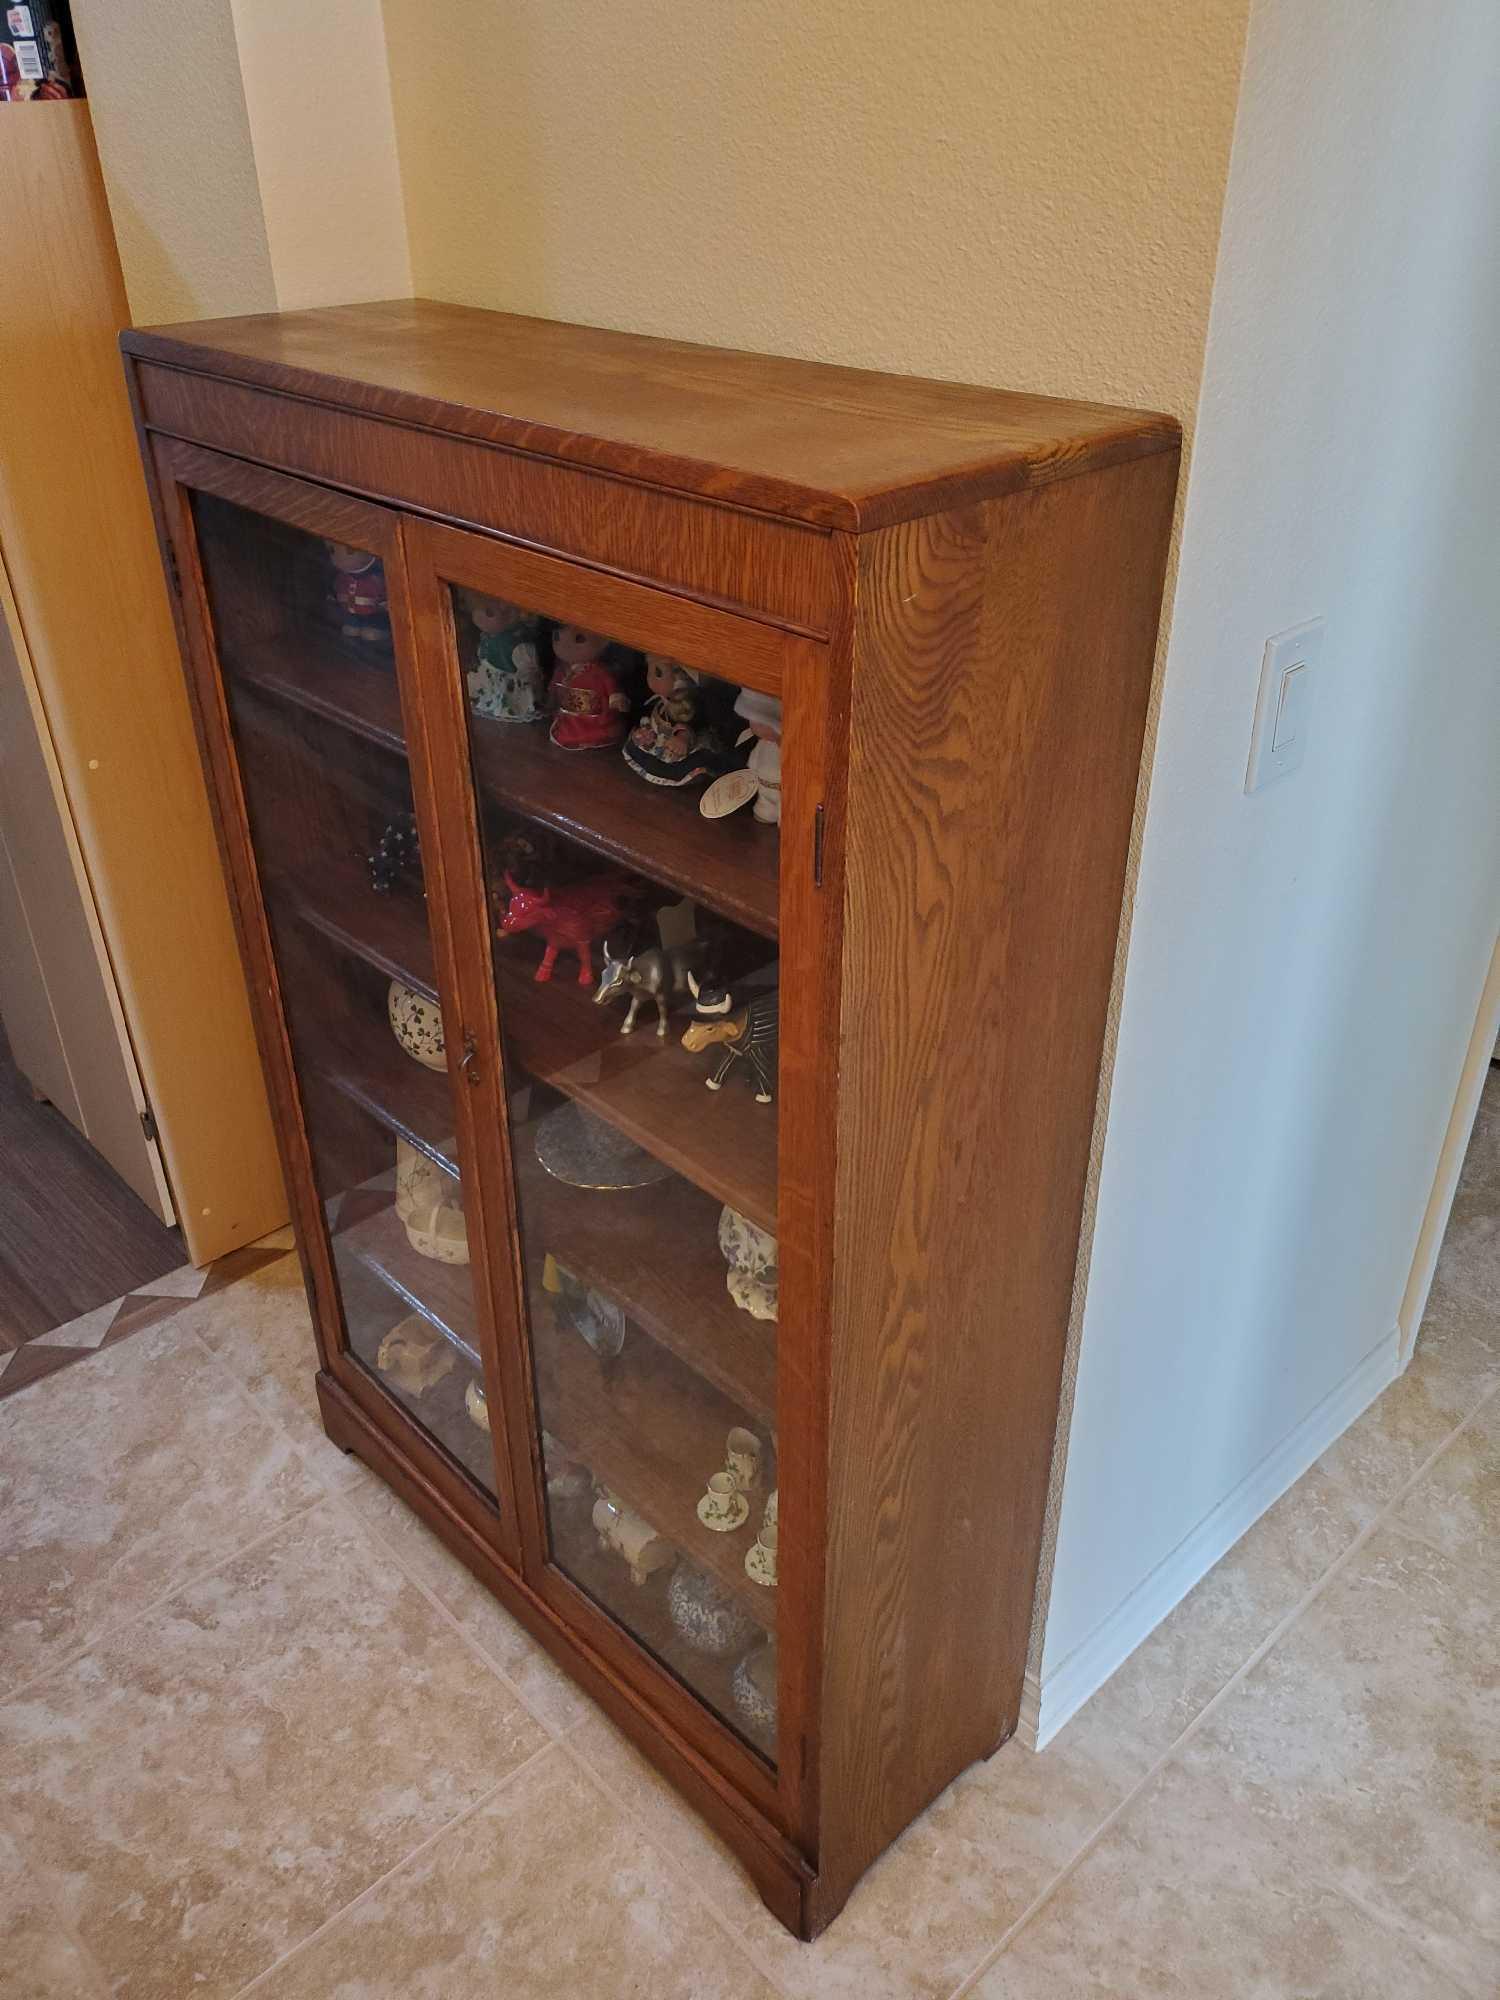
pixel 260 1734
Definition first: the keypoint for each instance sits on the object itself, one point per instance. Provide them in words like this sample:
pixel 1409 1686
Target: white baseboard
pixel 1048 1703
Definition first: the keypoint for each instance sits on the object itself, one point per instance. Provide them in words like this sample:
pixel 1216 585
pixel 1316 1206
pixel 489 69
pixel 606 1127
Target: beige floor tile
pixel 1470 1260
pixel 205 1788
pixel 1367 1744
pixel 672 1824
pixel 1172 1676
pixel 544 1687
pixel 40 1958
pixel 548 1892
pixel 1450 1374
pixel 261 1329
pixel 930 1909
pixel 1187 1899
pixel 118 1479
pixel 1456 1504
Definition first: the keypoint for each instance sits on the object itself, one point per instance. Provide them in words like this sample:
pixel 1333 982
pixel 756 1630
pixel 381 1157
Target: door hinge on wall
pixel 148 1125
pixel 817 847
pixel 174 574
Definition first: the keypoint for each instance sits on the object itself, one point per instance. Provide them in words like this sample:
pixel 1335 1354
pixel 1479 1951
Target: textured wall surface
pixel 1305 964
pixel 1001 191
pixel 318 100
pixel 168 108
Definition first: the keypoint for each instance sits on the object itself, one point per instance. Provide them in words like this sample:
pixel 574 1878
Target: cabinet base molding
pixel 787 1886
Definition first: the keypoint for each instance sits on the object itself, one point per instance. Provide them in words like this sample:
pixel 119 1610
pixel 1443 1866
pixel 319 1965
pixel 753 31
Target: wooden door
pixel 352 909
pixel 665 1304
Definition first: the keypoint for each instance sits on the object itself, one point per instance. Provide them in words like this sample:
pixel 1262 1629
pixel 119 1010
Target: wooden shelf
pixel 653 1091
pixel 652 1431
pixel 729 865
pixel 655 1251
pixel 373 1071
pixel 593 797
pixel 312 671
pixel 442 1293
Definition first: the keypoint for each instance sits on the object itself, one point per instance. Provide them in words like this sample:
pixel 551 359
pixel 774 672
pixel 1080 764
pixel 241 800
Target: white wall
pixel 1305 964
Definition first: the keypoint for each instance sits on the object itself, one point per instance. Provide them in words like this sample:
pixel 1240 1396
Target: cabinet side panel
pixel 1002 665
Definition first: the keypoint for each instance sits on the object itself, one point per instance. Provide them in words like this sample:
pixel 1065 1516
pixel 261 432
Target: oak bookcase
pixel 954 593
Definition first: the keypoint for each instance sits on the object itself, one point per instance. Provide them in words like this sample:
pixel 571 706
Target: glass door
pixel 297 596
pixel 628 803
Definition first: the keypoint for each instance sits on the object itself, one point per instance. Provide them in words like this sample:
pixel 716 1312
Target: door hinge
pixel 174 574
pixel 817 847
pixel 148 1125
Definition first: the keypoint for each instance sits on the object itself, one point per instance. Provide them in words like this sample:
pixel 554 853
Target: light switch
pixel 1283 711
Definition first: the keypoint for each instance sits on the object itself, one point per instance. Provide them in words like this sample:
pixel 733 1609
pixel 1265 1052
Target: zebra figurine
pixel 746 1034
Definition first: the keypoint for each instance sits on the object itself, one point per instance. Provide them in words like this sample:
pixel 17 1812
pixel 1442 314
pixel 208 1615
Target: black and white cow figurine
pixel 746 1033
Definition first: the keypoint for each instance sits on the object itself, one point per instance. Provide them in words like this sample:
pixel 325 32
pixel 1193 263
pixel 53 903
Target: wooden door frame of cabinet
pixel 646 616
pixel 178 471
pixel 437 557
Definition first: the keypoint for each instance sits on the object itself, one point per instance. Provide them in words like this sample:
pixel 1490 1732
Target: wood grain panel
pixel 840 447
pixel 1001 676
pixel 79 549
pixel 776 570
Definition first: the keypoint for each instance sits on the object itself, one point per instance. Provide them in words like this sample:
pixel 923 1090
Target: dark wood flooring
pixel 72 1235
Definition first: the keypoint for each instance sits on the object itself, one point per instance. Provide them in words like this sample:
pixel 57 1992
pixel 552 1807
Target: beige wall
pixel 1005 191
pixel 174 144
pixel 248 152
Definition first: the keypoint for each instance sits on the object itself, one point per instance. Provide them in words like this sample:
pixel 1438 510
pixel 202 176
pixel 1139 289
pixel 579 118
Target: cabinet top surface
pixel 835 447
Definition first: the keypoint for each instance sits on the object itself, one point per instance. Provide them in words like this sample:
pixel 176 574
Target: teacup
pixel 723 1507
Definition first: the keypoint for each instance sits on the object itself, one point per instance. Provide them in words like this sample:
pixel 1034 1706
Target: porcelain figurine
pixel 569 918
pixel 414 1355
pixel 710 1619
pixel 629 1536
pixel 590 708
pixel 751 1254
pixel 657 972
pixel 673 744
pixel 417 1024
pixel 398 852
pixel 428 1203
pixel 359 593
pixel 761 714
pixel 506 683
pixel 477 1403
pixel 746 1033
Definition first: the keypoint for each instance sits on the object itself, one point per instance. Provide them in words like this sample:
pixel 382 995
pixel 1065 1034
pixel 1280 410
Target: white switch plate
pixel 1283 710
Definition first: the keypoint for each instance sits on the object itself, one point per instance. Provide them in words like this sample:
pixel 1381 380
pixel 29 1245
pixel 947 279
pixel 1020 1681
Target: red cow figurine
pixel 569 919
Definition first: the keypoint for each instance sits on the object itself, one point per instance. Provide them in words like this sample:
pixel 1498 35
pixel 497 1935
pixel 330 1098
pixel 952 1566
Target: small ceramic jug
pixel 742 1457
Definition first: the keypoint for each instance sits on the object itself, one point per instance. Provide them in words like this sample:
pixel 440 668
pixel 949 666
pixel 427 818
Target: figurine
pixel 567 1478
pixel 761 778
pixel 359 593
pixel 477 1403
pixel 414 1355
pixel 398 849
pixel 590 707
pixel 507 683
pixel 746 1034
pixel 672 744
pixel 762 712
pixel 659 972
pixel 625 1532
pixel 569 918
pixel 751 1255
